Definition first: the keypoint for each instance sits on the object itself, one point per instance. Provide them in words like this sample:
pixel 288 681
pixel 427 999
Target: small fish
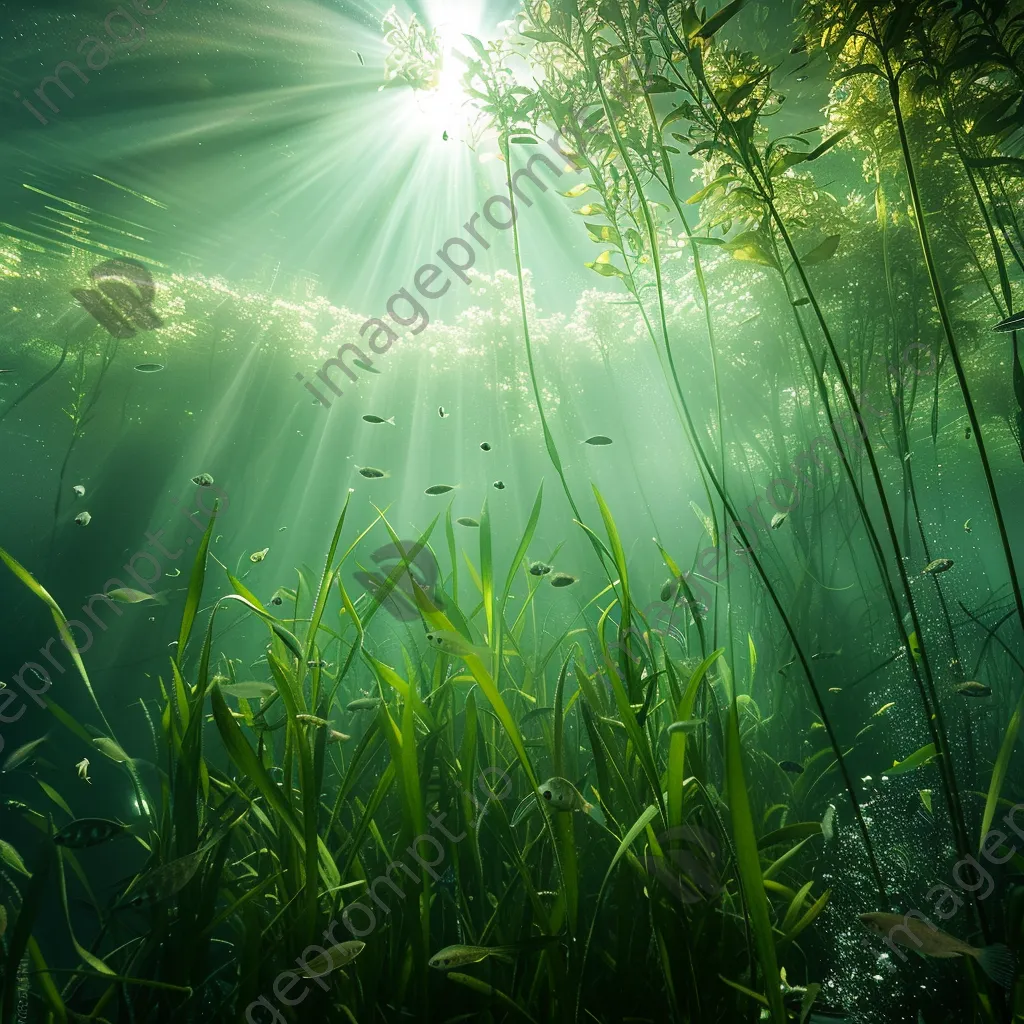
pixel 313 663
pixel 802 302
pixel 333 736
pixel 561 795
pixel 439 489
pixel 85 832
pixel 83 519
pixel 126 595
pixel 370 418
pixel 792 767
pixel 78 490
pixel 466 521
pixel 253 689
pixel 444 137
pixel 484 446
pixel 320 723
pixel 149 367
pixel 689 726
pixel 967 526
pixel 441 412
pixel 835 689
pixel 277 599
pixel 331 959
pixel 598 439
pixel 824 655
pixel 539 569
pixel 459 956
pixel 455 643
pixel 668 590
pixel 562 579
pixel 778 519
pixel 364 704
pixel 203 480
pixel 498 485
pixel 973 689
pixel 366 365
pixel 802 78
pixel 281 529
pixel 937 566
pixel 83 770
pixel 789 664
pixel 917 933
pixel 360 56
pixel 258 556
pixel 372 474
pixel 967 434
pixel 24 754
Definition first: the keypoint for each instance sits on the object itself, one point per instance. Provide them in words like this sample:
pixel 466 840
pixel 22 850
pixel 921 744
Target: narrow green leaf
pixel 749 867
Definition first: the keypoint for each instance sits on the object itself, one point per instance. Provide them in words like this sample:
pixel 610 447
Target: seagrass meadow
pixel 512 511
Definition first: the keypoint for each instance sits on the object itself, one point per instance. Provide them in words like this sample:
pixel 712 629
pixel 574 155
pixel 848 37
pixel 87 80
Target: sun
pixel 442 106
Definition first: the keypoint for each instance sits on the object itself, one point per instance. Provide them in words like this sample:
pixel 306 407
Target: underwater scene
pixel 512 511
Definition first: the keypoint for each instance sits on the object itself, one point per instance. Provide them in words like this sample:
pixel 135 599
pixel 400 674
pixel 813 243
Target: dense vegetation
pixel 755 759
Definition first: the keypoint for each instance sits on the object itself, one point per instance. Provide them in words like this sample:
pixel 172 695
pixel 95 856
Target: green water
pixel 511 513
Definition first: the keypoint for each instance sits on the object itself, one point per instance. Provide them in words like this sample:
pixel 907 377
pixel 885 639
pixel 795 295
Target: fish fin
pixel 999 963
pixel 505 954
pixel 160 596
pixel 391 420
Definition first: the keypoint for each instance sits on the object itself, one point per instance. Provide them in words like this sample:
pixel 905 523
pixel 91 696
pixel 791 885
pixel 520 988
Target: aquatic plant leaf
pixel 822 252
pixel 195 587
pixel 90 958
pixel 248 764
pixel 677 740
pixel 68 722
pixel 468 981
pixel 10 856
pixel 326 578
pixel 748 992
pixel 23 753
pixel 808 918
pixel 718 20
pixel 999 770
pixel 18 936
pixel 749 246
pixel 788 833
pixel 524 545
pixel 831 141
pixel 55 797
pixel 1011 323
pixel 706 521
pixel 62 624
pixel 45 982
pixel 916 760
pixel 748 865
pixel 110 748
pixel 720 182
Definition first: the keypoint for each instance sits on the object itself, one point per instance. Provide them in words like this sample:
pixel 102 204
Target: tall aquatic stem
pixel 892 81
pixel 933 713
pixel 723 496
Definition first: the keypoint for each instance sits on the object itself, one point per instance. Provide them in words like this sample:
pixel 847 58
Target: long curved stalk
pixel 892 81
pixel 726 502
